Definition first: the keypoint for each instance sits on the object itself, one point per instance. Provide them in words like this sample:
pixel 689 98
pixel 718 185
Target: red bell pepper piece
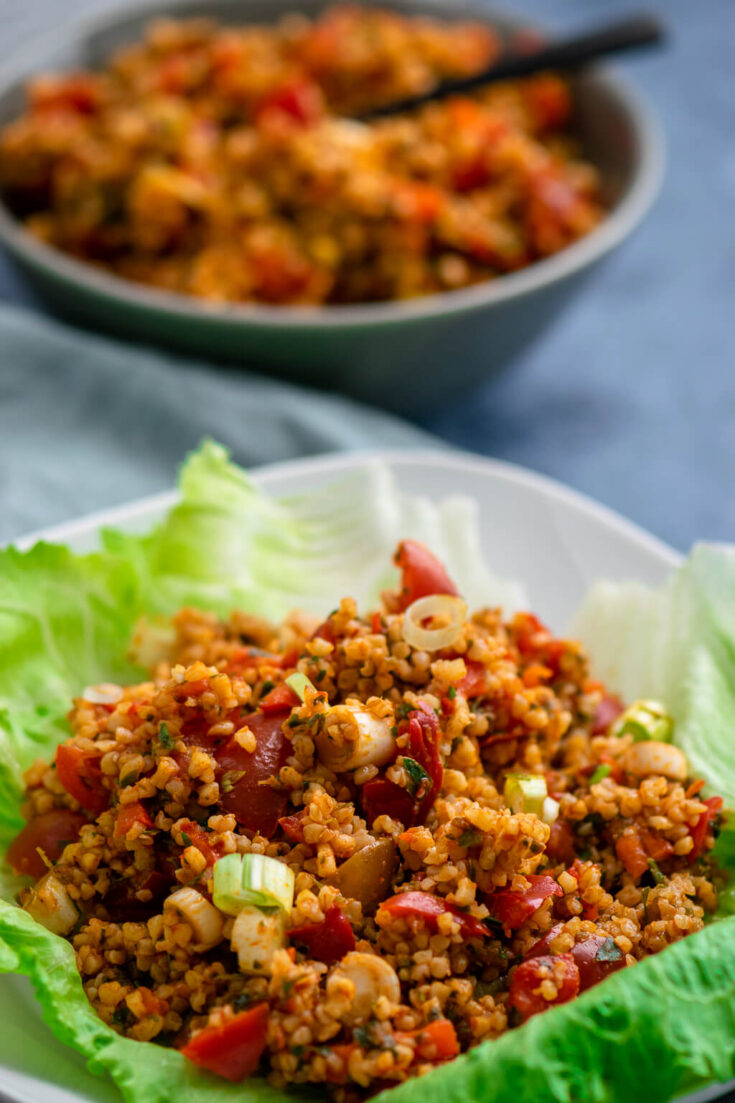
pixel 699 834
pixel 49 832
pixel 656 846
pixel 293 826
pixel 329 940
pixel 629 850
pixel 524 987
pixel 232 1050
pixel 81 776
pixel 280 699
pixel 425 906
pixel 512 909
pixel 422 573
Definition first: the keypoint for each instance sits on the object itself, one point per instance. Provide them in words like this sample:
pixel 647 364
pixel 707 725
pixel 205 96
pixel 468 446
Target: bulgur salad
pixel 342 850
pixel 222 161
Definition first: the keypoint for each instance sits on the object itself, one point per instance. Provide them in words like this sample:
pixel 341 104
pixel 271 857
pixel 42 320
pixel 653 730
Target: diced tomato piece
pixel 560 846
pixel 530 633
pixel 608 709
pixel 256 806
pixel 298 100
pixel 199 838
pixel 124 904
pixel 49 832
pixel 512 909
pixel 232 1050
pixel 128 816
pixel 422 573
pixel 474 683
pixel 436 1041
pixel 656 846
pixel 376 624
pixel 81 777
pixel 280 699
pixel 699 834
pixel 596 958
pixel 525 994
pixel 381 797
pixel 425 906
pixel 329 940
pixel 629 850
pixel 535 674
pixel 293 826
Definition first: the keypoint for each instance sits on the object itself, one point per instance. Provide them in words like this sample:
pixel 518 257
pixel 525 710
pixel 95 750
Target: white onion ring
pixel 104 694
pixel 434 605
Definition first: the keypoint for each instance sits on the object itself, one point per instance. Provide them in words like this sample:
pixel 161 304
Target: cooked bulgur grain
pixel 427 914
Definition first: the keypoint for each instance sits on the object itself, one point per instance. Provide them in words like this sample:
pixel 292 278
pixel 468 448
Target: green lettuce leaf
pixel 677 645
pixel 664 1027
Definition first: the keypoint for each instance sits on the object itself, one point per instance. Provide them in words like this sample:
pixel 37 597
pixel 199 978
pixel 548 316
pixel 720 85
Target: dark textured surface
pixel 629 396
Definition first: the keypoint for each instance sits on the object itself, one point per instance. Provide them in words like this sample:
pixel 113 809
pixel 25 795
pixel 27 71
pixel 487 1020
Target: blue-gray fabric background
pixel 630 397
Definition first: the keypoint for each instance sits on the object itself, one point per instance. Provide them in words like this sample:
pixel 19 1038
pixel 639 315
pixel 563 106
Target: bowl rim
pixel 144 300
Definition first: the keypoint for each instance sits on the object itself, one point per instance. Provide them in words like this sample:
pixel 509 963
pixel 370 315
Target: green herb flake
pixel 320 675
pixel 655 870
pixel 267 687
pixel 128 779
pixel 417 775
pixel 600 773
pixel 609 951
pixel 470 838
pixel 451 693
pixel 186 839
pixel 165 738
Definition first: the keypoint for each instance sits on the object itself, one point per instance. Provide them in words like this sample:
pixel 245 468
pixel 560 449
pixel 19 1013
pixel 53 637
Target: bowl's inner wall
pixel 600 117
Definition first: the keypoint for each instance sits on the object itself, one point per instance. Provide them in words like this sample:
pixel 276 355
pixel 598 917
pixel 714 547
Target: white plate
pixel 555 540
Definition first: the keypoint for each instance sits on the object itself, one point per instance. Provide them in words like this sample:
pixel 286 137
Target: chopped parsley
pixel 657 874
pixel 128 779
pixel 470 838
pixel 601 772
pixel 165 738
pixel 417 775
pixel 267 687
pixel 186 839
pixel 451 693
pixel 320 675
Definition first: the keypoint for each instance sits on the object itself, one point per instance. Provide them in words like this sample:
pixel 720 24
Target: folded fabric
pixel 87 423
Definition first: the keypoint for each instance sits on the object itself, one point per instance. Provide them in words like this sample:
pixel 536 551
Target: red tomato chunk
pixel 512 909
pixel 422 573
pixel 232 1050
pixel 329 940
pixel 525 989
pixel 422 905
pixel 50 833
pixel 241 775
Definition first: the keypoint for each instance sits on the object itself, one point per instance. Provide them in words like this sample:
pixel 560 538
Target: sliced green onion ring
pixel 241 880
pixel 525 793
pixel 645 720
pixel 299 684
pixel 444 606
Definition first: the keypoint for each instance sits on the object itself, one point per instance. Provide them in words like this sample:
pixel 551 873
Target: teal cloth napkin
pixel 86 423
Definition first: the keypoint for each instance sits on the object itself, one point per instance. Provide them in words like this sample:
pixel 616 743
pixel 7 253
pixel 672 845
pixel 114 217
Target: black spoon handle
pixel 636 31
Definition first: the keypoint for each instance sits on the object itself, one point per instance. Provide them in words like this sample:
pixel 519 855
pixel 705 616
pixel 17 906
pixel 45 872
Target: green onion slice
pixel 525 793
pixel 645 720
pixel 298 683
pixel 241 880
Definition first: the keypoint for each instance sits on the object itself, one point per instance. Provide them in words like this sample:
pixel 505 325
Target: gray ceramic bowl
pixel 407 355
